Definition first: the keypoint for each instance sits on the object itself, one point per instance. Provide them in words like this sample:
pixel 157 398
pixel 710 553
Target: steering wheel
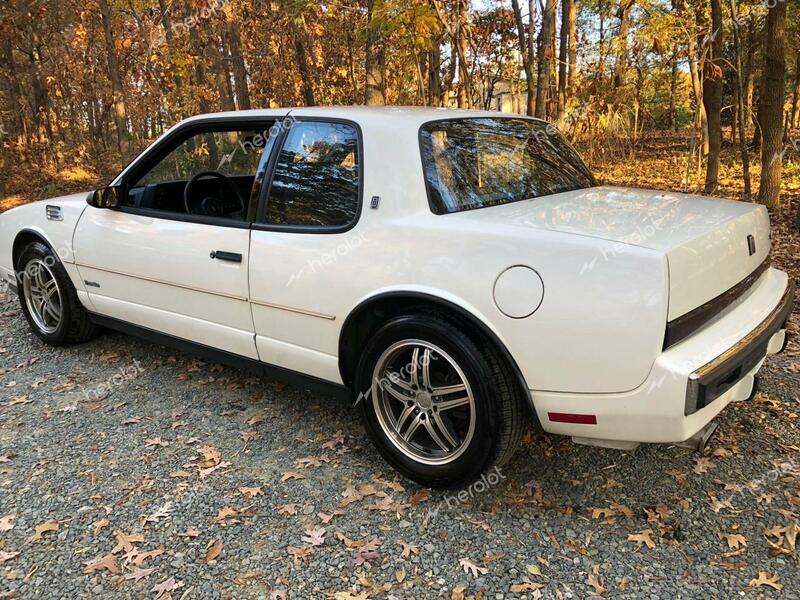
pixel 210 206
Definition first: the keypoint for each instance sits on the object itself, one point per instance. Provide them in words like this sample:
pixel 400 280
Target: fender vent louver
pixel 53 213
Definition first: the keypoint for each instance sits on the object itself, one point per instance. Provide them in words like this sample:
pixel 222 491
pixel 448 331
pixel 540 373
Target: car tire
pixel 466 395
pixel 49 300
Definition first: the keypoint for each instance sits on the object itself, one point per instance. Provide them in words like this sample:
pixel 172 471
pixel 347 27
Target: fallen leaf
pixel 408 549
pixel 189 533
pixel 765 578
pixel 526 586
pixel 6 523
pixel 288 509
pixel 214 551
pixel 6 556
pixel 103 563
pixel 143 556
pixel 367 551
pixel 99 525
pixel 166 586
pixel 315 537
pixel 643 537
pixel 470 567
pixel 703 465
pixel 139 573
pixel 735 540
pixel 290 475
pixel 299 554
pixel 40 530
pixel 125 542
pixel 250 492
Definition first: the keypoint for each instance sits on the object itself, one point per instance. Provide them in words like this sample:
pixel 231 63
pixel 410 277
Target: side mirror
pixel 104 197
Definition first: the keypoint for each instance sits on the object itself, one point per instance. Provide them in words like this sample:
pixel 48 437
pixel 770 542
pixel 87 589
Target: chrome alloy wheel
pixel 424 402
pixel 42 296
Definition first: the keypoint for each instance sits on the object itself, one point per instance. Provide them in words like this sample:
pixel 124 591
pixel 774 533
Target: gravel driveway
pixel 130 471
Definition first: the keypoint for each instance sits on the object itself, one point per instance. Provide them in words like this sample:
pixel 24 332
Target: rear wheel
pixel 437 401
pixel 49 300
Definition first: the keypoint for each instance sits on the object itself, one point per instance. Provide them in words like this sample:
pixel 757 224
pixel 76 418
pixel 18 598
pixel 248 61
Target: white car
pixel 454 272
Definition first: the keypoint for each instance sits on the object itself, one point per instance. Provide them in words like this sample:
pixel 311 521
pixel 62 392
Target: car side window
pixel 208 174
pixel 317 176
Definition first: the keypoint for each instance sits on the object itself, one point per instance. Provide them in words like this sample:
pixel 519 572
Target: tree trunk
pixel 543 65
pixel 770 114
pixel 462 41
pixel 435 76
pixel 572 16
pixel 374 57
pixel 749 77
pixel 239 67
pixel 621 64
pixel 120 112
pixel 563 60
pixel 13 90
pixel 794 121
pixel 712 97
pixel 525 40
pixel 741 116
pixel 302 62
pixel 673 90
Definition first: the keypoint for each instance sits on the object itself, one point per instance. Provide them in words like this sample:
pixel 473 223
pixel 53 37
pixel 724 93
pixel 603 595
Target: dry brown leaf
pixel 735 540
pixel 315 536
pixel 143 556
pixel 408 549
pixel 299 554
pixel 103 563
pixel 6 556
pixel 470 567
pixel 250 492
pixel 288 475
pixel 99 525
pixel 214 551
pixel 526 586
pixel 40 530
pixel 765 578
pixel 125 542
pixel 703 465
pixel 139 573
pixel 7 522
pixel 643 537
pixel 288 509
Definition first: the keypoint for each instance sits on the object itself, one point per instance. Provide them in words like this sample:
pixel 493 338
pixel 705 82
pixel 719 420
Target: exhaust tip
pixel 699 440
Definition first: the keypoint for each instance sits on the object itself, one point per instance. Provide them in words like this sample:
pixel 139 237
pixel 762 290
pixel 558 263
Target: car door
pixel 306 245
pixel 153 264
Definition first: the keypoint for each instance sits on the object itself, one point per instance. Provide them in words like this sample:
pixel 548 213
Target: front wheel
pixel 49 300
pixel 437 401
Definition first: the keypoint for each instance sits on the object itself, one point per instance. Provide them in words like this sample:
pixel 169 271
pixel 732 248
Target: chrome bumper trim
pixel 714 378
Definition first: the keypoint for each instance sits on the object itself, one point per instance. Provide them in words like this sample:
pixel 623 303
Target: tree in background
pixel 87 83
pixel 770 110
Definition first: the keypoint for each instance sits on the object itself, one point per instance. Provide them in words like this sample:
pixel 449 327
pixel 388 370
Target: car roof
pixel 412 116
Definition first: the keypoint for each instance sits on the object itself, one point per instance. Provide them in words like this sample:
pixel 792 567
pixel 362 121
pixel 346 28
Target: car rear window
pixel 475 163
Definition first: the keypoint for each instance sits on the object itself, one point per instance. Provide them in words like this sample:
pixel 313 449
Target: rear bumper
pixel 713 379
pixel 691 382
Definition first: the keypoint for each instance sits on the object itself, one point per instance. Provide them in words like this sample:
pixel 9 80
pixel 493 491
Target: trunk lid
pixel 705 239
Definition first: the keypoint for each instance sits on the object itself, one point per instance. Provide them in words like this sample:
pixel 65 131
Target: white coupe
pixel 454 272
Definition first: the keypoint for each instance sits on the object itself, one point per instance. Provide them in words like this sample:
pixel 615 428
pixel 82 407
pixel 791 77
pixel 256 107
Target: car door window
pixel 208 174
pixel 317 177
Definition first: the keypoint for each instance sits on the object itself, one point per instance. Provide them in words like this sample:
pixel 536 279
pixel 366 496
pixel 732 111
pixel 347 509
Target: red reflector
pixel 572 418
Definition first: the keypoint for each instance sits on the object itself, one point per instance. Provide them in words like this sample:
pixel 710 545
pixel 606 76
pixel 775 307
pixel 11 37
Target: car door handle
pixel 229 256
